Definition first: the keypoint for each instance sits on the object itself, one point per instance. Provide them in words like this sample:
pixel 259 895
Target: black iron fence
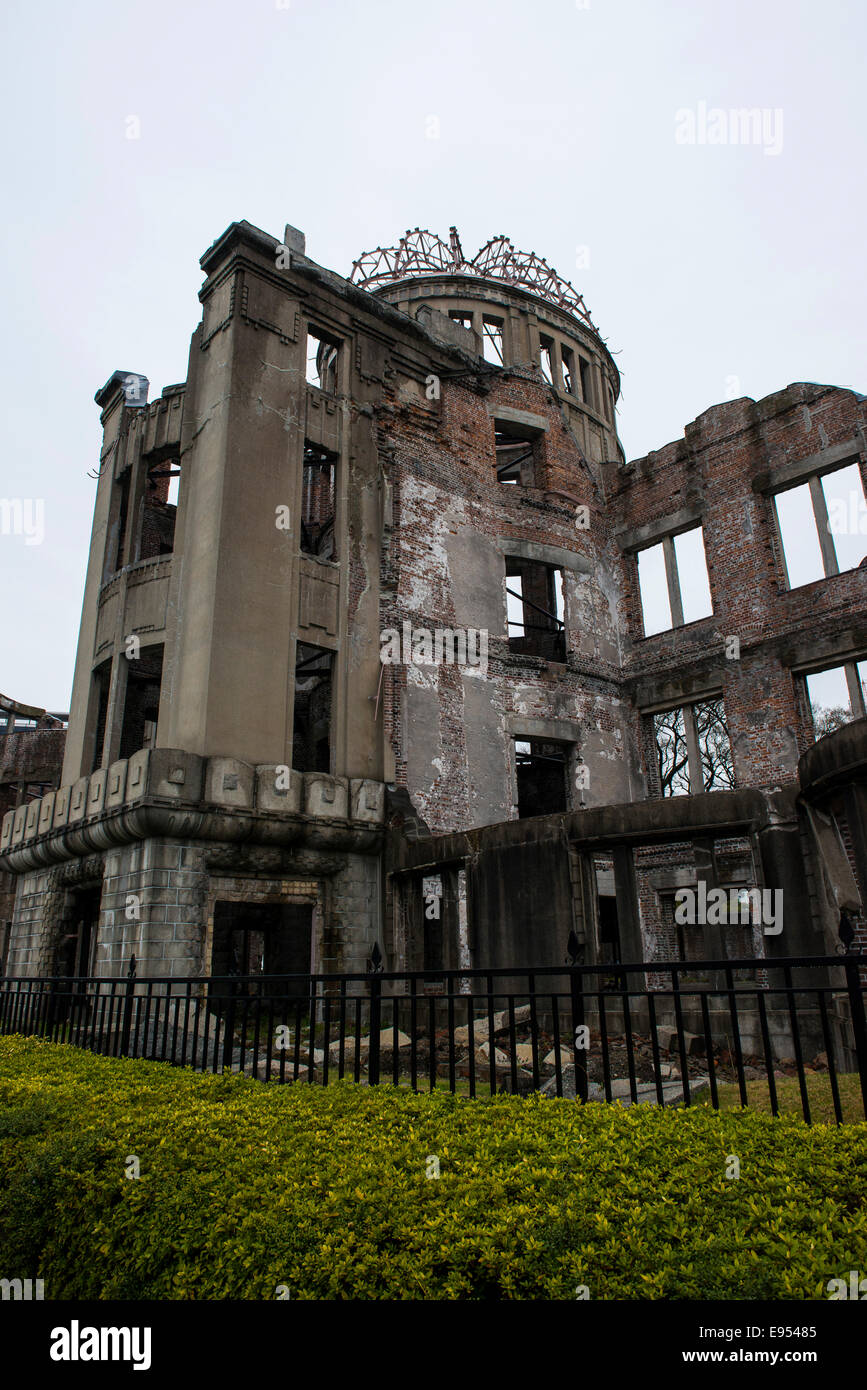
pixel 589 1032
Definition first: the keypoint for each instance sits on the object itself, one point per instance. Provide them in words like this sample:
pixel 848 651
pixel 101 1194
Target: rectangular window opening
pixel 101 683
pixel 516 451
pixel 693 749
pixel 567 359
pixel 673 582
pixel 541 770
pixel 837 696
pixel 653 587
pixel 159 509
pixel 546 358
pixel 821 524
pixel 122 485
pixel 693 582
pixel 256 938
pixel 141 708
pixel 318 502
pixel 492 341
pixel 586 381
pixel 311 731
pixel 535 609
pixel 322 362
pixel 76 948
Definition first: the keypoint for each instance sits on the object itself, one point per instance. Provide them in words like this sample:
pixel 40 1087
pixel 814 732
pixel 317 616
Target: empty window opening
pixel 837 695
pixel 142 704
pixel 492 341
pixel 607 921
pixel 256 938
pixel 462 317
pixel 546 358
pixel 693 750
pixel 76 947
pixel 321 362
pixel 535 609
pixel 540 769
pixel 122 486
pixel 691 939
pixel 516 450
pixel 311 733
pixel 159 511
pixel 101 684
pixel 693 582
pixel 821 524
pixel 586 381
pixel 567 361
pixel 655 607
pixel 673 582
pixel 317 502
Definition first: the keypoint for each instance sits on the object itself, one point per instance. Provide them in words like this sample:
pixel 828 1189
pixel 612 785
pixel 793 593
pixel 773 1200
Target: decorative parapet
pixel 166 791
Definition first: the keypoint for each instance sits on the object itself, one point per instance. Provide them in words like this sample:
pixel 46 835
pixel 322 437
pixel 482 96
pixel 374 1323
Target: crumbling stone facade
pixel 31 758
pixel 391 627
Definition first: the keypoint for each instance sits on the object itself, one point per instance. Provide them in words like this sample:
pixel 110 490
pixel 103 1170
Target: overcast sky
pixel 712 270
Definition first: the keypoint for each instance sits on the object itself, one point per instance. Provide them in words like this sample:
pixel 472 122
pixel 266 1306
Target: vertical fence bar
pixel 472 1042
pixel 654 1045
pixel 603 1043
pixel 492 1063
pixel 432 1044
pixel 859 1026
pixel 769 1055
pixel 413 1028
pixel 708 1042
pixel 736 1033
pixel 126 1021
pixel 681 1040
pixel 450 984
pixel 580 1054
pixel 627 1030
pixel 534 1030
pixel 796 1044
pixel 375 1028
pixel 558 1060
pixel 829 1053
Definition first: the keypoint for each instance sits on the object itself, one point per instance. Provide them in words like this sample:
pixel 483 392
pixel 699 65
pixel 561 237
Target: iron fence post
pixel 374 969
pixel 576 990
pixel 126 1022
pixel 859 1025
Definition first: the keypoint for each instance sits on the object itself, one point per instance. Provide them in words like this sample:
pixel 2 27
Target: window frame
pixel 824 535
pixel 672 579
pixel 695 770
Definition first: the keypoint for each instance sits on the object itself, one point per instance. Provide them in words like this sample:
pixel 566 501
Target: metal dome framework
pixel 421 252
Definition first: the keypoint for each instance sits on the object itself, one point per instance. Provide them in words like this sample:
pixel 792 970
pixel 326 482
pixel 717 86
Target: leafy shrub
pixel 246 1187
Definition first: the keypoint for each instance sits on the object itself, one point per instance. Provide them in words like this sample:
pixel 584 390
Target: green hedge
pixel 246 1187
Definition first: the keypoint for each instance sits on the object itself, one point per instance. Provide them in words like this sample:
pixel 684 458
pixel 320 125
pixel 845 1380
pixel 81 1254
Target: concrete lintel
pixel 544 554
pixel 677 818
pixel 799 470
pixel 560 730
pixel 517 417
pixel 638 537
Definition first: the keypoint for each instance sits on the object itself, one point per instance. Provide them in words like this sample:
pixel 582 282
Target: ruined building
pixel 385 641
pixel 31 758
